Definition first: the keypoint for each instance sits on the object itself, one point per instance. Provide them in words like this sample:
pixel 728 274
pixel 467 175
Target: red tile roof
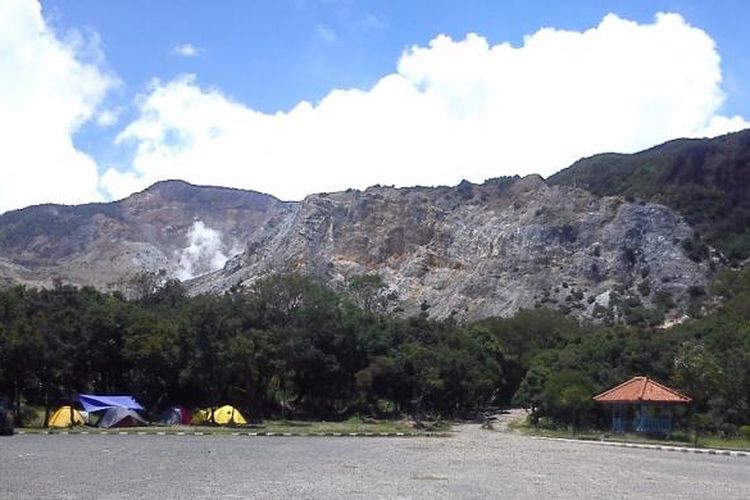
pixel 642 390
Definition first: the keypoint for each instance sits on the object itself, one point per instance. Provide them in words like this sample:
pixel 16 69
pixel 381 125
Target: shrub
pixel 695 249
pixel 549 424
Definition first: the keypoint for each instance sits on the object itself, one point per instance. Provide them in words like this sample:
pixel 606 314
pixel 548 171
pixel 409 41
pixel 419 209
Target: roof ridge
pixel 670 390
pixel 643 388
pixel 638 388
pixel 623 384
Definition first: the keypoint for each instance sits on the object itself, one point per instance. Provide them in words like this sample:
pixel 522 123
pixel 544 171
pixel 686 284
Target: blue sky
pixel 226 109
pixel 270 54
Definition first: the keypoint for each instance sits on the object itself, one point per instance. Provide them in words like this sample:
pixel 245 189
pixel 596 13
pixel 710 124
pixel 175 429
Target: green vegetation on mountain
pixel 705 180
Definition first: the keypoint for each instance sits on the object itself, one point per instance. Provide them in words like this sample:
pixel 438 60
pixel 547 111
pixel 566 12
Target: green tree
pixel 566 395
pixel 697 373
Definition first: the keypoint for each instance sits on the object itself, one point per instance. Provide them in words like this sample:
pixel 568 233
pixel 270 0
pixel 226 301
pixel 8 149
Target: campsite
pixel 107 411
pixel 99 414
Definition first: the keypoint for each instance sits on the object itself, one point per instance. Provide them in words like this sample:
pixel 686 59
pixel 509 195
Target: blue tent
pixel 91 402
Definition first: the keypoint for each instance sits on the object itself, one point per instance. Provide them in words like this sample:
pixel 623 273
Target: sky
pixel 291 97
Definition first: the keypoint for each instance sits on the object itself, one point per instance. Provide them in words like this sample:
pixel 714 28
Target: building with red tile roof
pixel 642 405
pixel 642 390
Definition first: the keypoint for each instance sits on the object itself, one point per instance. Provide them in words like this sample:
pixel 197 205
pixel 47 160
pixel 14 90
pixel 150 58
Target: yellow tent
pixel 62 418
pixel 224 415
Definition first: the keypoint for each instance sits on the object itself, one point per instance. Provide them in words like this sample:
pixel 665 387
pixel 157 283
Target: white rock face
pixel 475 251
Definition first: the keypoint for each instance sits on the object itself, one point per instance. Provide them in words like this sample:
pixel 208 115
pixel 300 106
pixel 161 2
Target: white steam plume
pixel 205 252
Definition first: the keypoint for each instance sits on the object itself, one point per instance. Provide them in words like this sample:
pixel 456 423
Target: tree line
pixel 292 347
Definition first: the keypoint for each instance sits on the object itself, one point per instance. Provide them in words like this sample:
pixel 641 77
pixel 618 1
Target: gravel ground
pixel 472 464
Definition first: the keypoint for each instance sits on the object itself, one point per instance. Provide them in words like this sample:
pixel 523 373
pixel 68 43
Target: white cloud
pixel 50 87
pixel 374 22
pixel 452 110
pixel 326 34
pixel 719 125
pixel 184 50
pixel 108 117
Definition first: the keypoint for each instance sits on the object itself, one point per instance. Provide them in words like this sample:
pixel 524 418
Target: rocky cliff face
pixel 480 250
pixel 173 226
pixel 469 251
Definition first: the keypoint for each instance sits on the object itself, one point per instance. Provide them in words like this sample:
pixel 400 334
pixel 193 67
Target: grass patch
pixel 353 425
pixel 345 427
pixel 520 425
pixel 31 416
pixel 724 443
pixel 676 439
pixel 530 430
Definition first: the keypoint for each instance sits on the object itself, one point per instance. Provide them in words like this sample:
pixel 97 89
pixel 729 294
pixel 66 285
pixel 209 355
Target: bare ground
pixel 474 463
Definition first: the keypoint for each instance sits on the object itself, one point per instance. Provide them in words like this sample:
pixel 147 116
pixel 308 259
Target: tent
pixel 176 415
pixel 91 402
pixel 65 417
pixel 224 415
pixel 121 417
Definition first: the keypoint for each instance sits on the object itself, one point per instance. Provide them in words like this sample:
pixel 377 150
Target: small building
pixel 642 405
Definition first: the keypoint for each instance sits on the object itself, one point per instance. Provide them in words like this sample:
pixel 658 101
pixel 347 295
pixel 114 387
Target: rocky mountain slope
pixel 481 250
pixel 173 226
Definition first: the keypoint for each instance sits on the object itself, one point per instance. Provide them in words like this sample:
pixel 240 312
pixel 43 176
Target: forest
pixel 290 347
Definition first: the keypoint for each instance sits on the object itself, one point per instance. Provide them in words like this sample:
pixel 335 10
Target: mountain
pixel 474 251
pixel 614 236
pixel 706 180
pixel 172 226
